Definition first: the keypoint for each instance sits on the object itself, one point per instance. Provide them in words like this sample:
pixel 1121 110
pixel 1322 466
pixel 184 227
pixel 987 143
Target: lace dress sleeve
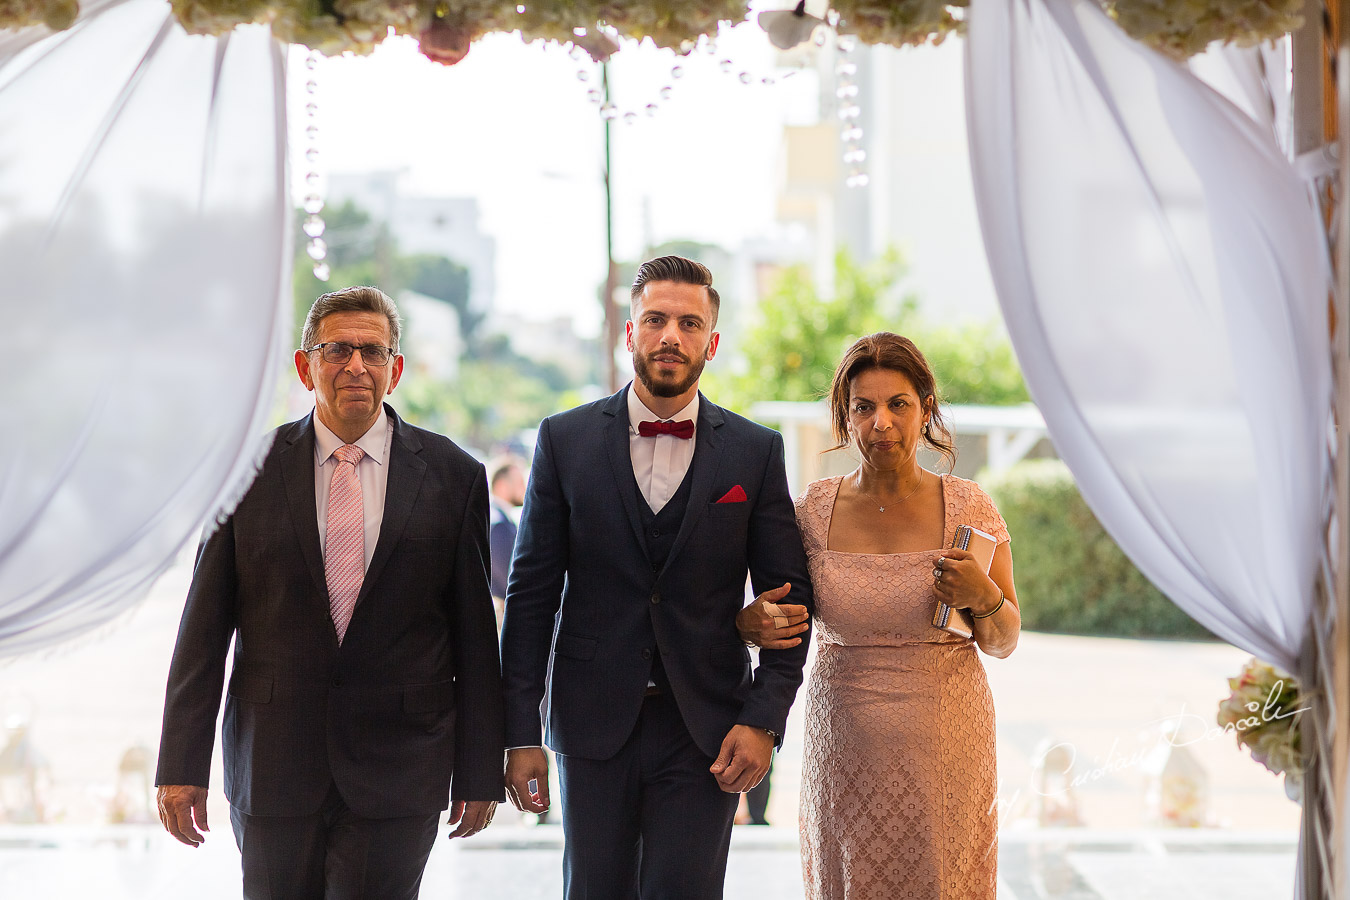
pixel 976 508
pixel 809 516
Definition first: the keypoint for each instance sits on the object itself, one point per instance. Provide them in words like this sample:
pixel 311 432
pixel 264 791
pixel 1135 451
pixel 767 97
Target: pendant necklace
pixel 881 507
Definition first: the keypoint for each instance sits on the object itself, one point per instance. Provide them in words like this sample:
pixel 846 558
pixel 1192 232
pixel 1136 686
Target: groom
pixel 643 514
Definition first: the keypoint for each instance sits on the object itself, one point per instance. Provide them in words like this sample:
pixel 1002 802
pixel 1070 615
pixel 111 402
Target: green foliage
pixel 361 251
pixel 1071 576
pixel 443 279
pixel 488 403
pixel 495 394
pixel 973 362
pixel 358 251
pixel 792 349
pixel 796 341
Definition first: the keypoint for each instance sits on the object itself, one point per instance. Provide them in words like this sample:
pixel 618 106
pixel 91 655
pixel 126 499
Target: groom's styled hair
pixel 679 270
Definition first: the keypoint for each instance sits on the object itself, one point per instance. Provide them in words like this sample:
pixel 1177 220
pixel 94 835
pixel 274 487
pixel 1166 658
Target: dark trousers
pixel 333 854
pixel 757 799
pixel 650 822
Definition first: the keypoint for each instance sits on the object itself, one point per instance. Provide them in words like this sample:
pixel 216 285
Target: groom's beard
pixel 668 386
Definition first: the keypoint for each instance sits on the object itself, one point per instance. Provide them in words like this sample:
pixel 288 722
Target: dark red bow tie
pixel 683 430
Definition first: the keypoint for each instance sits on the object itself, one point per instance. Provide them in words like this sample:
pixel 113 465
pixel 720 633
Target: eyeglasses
pixel 338 353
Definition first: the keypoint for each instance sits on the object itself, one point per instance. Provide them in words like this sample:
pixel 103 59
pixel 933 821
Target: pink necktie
pixel 344 552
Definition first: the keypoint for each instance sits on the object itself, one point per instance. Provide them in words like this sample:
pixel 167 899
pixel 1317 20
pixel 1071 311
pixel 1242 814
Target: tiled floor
pixel 519 863
pixel 1104 699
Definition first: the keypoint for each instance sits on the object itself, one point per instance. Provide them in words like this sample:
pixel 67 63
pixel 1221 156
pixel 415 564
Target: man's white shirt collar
pixel 638 411
pixel 373 442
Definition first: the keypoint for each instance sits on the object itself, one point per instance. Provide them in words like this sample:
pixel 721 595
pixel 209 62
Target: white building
pixel 445 226
pixel 919 196
pixel 431 344
pixel 552 340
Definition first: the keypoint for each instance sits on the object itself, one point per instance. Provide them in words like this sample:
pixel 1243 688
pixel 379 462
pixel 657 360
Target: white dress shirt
pixel 661 462
pixel 372 471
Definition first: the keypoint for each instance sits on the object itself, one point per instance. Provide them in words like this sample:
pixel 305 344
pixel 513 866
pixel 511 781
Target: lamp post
pixel 611 339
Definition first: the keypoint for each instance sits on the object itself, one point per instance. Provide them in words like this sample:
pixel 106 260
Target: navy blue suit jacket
pixel 581 551
pixel 412 695
pixel 502 540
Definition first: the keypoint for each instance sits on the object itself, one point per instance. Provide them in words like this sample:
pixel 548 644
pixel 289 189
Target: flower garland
pixel 446 28
pixel 902 23
pixel 1183 29
pixel 57 15
pixel 1262 712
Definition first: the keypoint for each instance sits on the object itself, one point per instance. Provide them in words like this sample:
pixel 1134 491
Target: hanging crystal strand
pixel 314 225
pixel 705 46
pixel 850 113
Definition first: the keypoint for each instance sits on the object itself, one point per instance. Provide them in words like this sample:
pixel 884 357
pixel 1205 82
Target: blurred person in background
pixel 506 479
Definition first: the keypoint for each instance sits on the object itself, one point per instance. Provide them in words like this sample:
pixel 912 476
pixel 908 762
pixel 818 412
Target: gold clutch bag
pixel 982 545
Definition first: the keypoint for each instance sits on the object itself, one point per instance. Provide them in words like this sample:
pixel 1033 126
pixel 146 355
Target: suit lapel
pixel 621 459
pixel 703 470
pixel 296 460
pixel 406 471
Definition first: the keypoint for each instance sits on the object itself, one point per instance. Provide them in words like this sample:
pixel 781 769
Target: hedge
pixel 1071 576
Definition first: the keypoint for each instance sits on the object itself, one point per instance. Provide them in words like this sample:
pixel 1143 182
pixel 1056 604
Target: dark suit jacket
pixel 502 541
pixel 581 548
pixel 413 692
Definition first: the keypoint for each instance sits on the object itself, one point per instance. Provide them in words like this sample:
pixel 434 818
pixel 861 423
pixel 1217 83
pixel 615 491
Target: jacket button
pixel 656 598
pixel 646 653
pixel 337 682
pixel 656 532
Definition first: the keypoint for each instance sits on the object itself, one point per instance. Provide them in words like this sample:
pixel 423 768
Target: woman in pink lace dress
pixel 898 781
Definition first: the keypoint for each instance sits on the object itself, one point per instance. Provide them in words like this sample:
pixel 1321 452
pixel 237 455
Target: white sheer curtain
pixel 1255 79
pixel 144 256
pixel 1164 281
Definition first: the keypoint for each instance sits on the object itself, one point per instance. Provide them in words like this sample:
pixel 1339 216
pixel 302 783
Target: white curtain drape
pixel 1164 280
pixel 144 258
pixel 1255 79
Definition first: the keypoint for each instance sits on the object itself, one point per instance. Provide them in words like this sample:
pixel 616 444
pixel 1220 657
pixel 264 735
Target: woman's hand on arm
pixel 760 627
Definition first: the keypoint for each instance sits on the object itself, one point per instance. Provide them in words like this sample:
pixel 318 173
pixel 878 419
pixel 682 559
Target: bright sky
pixel 512 126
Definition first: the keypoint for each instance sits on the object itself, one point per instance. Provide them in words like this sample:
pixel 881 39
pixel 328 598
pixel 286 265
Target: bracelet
pixel 1001 600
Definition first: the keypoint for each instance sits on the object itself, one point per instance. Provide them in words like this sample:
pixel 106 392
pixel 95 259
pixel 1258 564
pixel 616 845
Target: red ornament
pixel 444 43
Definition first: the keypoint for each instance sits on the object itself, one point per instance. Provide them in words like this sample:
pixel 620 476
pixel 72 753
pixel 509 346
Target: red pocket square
pixel 735 495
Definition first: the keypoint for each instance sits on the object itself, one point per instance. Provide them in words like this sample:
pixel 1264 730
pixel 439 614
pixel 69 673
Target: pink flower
pixel 444 43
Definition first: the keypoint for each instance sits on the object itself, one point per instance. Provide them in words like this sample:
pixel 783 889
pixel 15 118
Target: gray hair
pixel 359 298
pixel 676 269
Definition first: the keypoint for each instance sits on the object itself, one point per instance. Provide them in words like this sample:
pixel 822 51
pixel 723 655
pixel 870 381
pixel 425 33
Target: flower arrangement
pixel 1262 712
pixel 1182 28
pixel 902 23
pixel 446 28
pixel 1179 28
pixel 57 15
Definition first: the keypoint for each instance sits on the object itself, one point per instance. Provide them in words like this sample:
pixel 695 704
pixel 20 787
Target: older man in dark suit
pixel 643 514
pixel 353 581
